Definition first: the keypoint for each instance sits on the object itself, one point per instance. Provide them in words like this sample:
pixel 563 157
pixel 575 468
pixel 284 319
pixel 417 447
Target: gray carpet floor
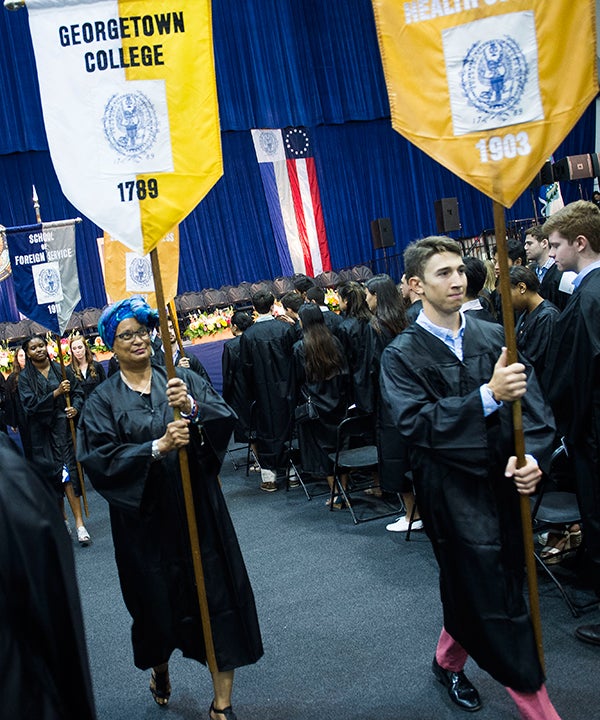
pixel 350 617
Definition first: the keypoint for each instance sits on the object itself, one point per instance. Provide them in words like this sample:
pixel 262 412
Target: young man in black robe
pixel 43 657
pixel 537 318
pixel 235 392
pixel 267 362
pixel 537 251
pixel 572 379
pixel 446 381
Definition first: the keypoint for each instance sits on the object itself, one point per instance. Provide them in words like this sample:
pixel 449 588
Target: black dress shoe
pixel 589 634
pixel 460 690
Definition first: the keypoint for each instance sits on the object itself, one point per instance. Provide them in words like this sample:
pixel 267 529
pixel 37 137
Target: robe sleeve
pixel 40 406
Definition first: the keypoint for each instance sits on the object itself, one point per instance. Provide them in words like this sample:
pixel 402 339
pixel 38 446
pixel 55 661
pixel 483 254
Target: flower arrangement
pixel 7 358
pixel 98 346
pixel 204 324
pixel 52 346
pixel 331 300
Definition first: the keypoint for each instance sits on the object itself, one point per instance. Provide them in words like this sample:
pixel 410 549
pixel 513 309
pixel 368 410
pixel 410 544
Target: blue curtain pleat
pixel 278 63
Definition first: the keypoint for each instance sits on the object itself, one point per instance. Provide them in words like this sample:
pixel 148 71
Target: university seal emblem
pixel 140 272
pixel 268 142
pixel 130 124
pixel 49 281
pixel 494 75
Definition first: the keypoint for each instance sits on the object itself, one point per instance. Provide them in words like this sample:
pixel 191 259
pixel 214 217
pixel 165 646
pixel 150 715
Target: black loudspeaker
pixel 446 215
pixel 381 232
pixel 544 177
pixel 574 167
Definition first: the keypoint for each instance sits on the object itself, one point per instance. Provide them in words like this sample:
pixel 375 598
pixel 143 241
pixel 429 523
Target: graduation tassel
pixel 508 320
pixel 185 476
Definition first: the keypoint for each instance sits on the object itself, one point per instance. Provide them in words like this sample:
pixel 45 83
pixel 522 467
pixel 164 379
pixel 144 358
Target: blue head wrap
pixel 133 307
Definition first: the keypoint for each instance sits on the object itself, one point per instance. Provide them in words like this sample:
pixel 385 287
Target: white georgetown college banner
pixel 130 108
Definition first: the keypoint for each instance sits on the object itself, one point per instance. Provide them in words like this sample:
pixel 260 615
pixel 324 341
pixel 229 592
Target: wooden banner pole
pixel 185 477
pixel 508 320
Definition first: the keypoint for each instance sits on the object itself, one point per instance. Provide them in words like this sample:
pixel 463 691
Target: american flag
pixel 289 177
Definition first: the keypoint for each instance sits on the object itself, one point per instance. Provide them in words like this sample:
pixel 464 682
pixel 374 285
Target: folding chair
pixel 356 459
pixel 294 467
pixel 552 510
pixel 251 438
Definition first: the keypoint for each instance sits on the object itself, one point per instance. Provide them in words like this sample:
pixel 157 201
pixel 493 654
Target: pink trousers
pixel 532 706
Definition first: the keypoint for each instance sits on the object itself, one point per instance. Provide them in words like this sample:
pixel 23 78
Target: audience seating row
pixel 188 303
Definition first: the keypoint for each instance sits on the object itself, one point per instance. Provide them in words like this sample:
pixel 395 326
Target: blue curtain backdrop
pixel 278 63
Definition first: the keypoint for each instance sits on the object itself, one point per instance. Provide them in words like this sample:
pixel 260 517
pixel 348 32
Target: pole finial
pixel 14 4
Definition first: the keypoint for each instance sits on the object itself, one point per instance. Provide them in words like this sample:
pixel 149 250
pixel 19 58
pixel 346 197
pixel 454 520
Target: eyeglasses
pixel 128 335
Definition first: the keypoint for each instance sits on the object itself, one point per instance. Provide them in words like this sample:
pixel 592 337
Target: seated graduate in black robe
pixel 128 442
pixel 476 274
pixel 235 392
pixel 447 384
pixel 389 319
pixel 43 656
pixel 537 318
pixel 321 373
pixel 572 375
pixel 353 333
pixel 537 251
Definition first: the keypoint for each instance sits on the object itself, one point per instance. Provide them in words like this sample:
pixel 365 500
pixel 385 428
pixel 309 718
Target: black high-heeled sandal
pixel 160 687
pixel 228 712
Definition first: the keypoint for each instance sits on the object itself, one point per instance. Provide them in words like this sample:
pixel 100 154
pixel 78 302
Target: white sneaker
pixel 401 525
pixel 83 536
pixel 68 527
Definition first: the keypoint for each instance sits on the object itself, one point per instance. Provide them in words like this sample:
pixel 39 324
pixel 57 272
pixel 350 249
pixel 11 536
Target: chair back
pixel 356 445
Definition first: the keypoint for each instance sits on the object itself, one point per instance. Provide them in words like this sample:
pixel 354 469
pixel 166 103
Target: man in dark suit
pixel 537 251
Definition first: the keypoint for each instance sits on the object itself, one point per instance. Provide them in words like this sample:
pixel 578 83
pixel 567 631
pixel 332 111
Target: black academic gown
pixel 49 428
pixel 469 509
pixel 148 523
pixel 158 358
pixel 43 657
pixel 317 438
pixel 15 414
pixel 353 335
pixel 266 355
pixel 535 333
pixel 572 384
pixel 89 383
pixel 235 392
pixel 413 310
pixel 549 287
pixel 391 450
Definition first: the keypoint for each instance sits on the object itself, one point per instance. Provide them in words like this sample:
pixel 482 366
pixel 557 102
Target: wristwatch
pixel 156 453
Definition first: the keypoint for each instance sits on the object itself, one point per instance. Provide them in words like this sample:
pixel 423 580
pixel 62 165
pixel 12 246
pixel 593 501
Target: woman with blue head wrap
pixel 128 443
pixel 132 307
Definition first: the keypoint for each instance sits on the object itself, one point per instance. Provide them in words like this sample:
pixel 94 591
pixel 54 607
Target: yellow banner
pixel 128 273
pixel 488 88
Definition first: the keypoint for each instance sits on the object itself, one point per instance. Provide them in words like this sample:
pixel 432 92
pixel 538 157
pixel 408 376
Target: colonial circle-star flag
pixel 130 109
pixel 489 88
